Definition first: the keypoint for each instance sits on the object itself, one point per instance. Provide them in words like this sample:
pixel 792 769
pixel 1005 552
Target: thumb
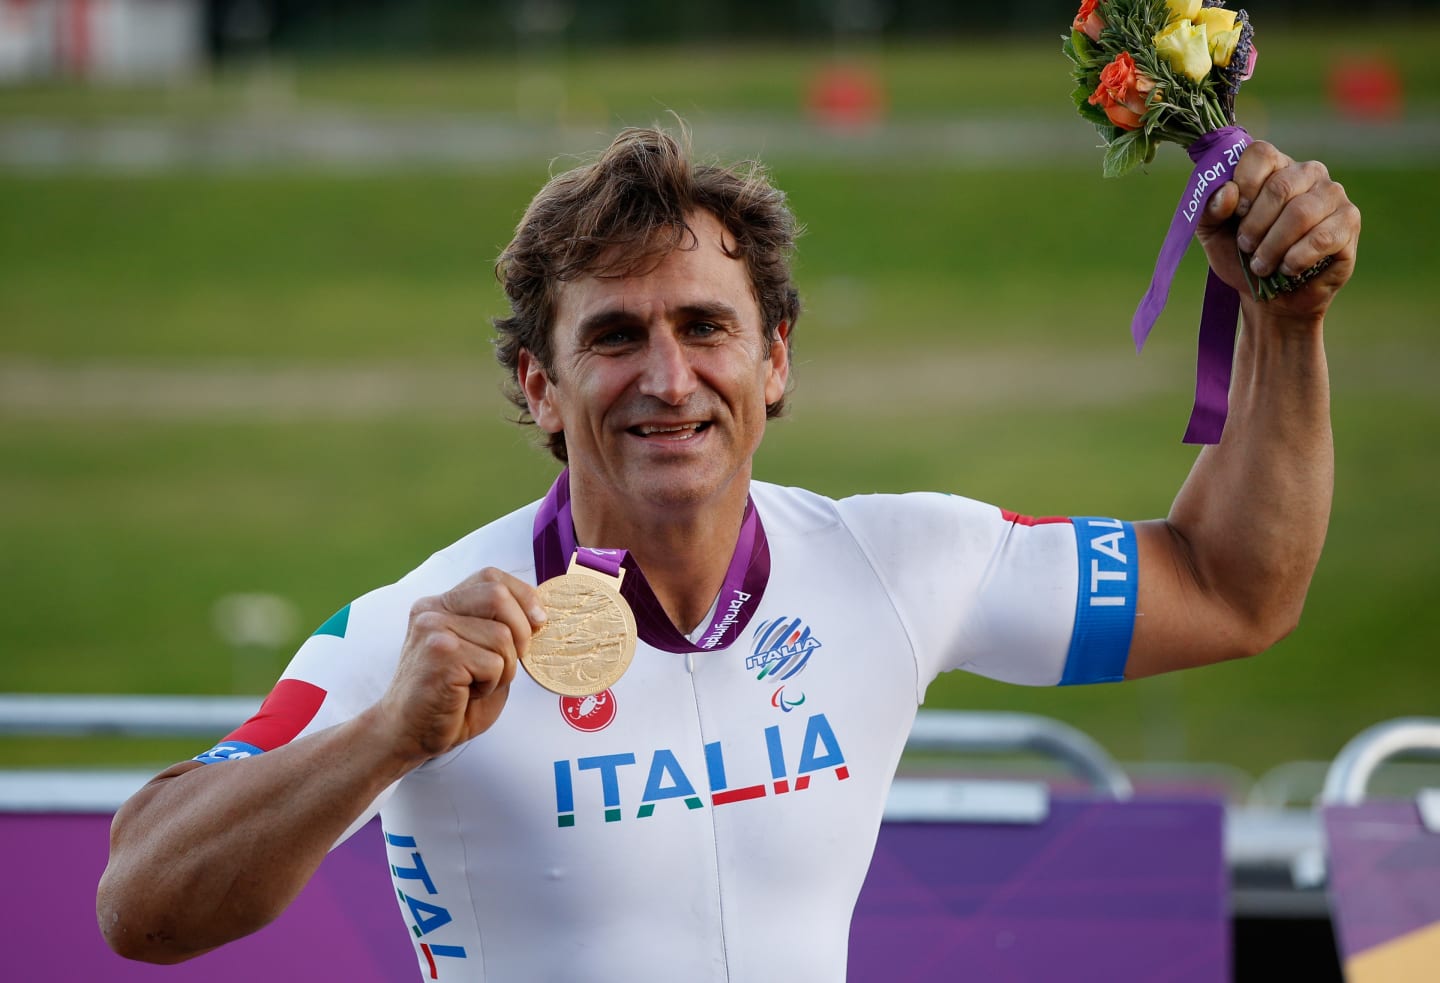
pixel 1215 228
pixel 1219 210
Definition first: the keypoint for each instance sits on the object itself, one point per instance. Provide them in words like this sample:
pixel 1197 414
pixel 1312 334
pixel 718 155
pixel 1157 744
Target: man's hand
pixel 1288 216
pixel 459 658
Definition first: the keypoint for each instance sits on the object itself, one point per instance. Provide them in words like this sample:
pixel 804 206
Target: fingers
pixel 492 600
pixel 1292 215
pixel 459 659
pixel 491 616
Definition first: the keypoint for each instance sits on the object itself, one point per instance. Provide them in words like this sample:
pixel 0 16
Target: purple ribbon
pixel 740 593
pixel 1215 155
pixel 607 562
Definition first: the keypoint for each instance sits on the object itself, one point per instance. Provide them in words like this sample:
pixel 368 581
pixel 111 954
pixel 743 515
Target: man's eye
pixel 613 339
pixel 704 328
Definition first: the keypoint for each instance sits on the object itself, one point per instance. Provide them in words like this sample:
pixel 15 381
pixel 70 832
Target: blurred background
pixel 246 282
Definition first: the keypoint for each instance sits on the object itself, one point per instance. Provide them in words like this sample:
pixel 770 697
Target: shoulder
pixel 504 543
pixel 787 509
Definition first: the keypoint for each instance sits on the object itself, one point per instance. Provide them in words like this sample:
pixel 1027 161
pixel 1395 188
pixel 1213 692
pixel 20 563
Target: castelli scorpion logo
pixel 588 713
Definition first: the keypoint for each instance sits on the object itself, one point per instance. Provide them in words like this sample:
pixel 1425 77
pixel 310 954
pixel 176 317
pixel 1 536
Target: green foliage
pixel 1124 153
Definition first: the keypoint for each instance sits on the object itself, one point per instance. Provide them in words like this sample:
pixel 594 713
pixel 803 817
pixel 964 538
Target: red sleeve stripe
pixel 291 705
pixel 1030 520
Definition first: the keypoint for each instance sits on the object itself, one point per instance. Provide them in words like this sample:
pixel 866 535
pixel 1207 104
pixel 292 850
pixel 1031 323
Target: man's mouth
pixel 670 431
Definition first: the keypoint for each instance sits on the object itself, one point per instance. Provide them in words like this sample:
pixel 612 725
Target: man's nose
pixel 668 375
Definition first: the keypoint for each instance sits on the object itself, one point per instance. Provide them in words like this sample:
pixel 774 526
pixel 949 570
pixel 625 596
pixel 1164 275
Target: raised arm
pixel 205 854
pixel 1226 573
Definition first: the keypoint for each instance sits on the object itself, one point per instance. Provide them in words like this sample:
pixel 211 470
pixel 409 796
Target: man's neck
pixel 684 552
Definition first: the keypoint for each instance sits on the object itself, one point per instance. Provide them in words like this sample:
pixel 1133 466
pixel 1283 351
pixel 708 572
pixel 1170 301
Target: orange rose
pixel 1088 21
pixel 1122 92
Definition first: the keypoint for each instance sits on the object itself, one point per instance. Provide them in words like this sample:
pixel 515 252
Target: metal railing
pixel 46 714
pixel 977 732
pixel 209 717
pixel 1349 776
pixel 1256 840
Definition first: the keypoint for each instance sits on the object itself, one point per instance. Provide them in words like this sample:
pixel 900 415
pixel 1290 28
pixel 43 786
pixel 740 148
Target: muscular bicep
pixel 1180 621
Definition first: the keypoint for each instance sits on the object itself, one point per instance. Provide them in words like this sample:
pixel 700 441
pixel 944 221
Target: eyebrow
pixel 612 317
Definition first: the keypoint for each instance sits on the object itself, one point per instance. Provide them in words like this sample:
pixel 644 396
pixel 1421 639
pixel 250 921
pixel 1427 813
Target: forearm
pixel 1254 511
pixel 215 853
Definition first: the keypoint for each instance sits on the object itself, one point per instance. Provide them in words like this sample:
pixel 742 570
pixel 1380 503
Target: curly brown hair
pixel 621 216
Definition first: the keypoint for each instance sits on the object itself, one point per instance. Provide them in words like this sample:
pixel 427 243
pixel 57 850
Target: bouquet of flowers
pixel 1151 71
pixel 1148 72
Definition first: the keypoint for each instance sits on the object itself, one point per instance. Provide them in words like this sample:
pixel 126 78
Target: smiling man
pixel 739 768
pixel 659 385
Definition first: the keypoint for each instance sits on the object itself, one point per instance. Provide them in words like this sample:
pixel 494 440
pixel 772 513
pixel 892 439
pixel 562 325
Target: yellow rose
pixel 1182 9
pixel 1185 48
pixel 1215 19
pixel 1222 46
pixel 1222 33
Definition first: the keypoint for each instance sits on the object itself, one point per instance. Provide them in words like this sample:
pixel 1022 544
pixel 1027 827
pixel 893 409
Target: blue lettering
pixel 817 734
pixel 607 764
pixel 666 778
pixel 416 873
pixel 564 791
pixel 661 766
pixel 777 754
pixel 715 766
pixel 428 917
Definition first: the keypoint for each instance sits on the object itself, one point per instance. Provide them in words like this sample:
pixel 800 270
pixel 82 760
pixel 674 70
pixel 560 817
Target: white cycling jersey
pixel 712 815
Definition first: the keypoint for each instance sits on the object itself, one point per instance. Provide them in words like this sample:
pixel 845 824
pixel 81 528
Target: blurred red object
pixel 845 96
pixel 1366 88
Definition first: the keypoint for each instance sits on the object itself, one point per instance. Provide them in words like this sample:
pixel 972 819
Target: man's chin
pixel 684 489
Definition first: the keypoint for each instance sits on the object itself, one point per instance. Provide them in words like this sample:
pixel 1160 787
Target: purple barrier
pixel 345 925
pixel 1117 891
pixel 1128 890
pixel 1384 891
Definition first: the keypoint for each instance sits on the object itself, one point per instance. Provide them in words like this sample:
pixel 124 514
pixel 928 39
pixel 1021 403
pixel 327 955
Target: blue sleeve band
pixel 229 751
pixel 1104 601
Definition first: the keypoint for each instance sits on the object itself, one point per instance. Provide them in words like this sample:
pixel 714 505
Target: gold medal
pixel 587 642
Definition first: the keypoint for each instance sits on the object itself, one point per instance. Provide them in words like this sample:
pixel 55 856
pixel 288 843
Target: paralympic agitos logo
pixel 782 648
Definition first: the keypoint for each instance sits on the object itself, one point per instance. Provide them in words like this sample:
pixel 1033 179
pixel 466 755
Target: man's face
pixel 660 381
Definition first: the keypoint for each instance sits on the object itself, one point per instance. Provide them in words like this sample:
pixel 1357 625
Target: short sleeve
pixel 340 670
pixel 1040 602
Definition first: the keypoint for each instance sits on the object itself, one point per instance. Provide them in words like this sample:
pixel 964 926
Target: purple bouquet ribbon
pixel 740 594
pixel 1215 155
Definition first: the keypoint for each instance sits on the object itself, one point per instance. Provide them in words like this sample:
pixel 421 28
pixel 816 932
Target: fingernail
pixel 1246 243
pixel 1288 270
pixel 1259 267
pixel 1243 207
pixel 538 615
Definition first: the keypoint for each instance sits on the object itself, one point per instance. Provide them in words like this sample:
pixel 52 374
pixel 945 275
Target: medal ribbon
pixel 740 593
pixel 1214 155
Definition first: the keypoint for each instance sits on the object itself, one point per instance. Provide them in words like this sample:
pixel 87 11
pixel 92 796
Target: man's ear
pixel 778 371
pixel 539 392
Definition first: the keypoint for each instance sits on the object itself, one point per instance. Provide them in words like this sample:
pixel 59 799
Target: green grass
pixel 121 530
